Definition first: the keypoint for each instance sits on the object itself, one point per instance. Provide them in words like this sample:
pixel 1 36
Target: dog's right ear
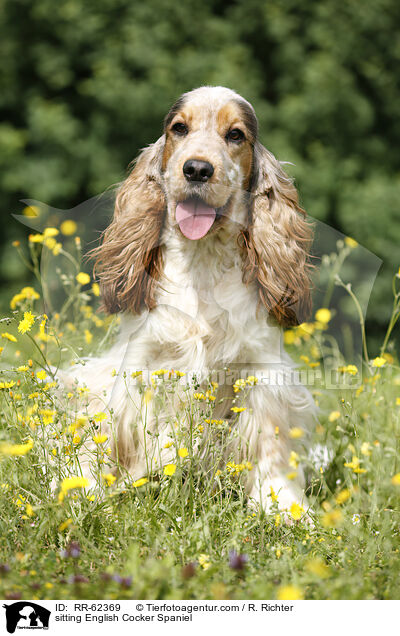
pixel 128 261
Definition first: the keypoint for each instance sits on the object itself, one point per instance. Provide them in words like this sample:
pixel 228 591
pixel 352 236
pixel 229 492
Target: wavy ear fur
pixel 128 262
pixel 278 242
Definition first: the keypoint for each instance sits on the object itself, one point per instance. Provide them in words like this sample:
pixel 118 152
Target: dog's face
pixel 207 160
pixel 206 172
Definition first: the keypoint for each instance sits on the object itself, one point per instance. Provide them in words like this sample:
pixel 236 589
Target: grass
pixel 187 532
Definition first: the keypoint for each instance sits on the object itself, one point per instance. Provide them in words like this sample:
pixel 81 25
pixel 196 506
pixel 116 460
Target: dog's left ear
pixel 278 242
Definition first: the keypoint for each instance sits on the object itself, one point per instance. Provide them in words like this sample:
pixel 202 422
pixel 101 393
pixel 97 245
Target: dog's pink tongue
pixel 194 218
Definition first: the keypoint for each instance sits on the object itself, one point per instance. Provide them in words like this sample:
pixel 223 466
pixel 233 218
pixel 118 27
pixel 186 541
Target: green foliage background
pixel 85 84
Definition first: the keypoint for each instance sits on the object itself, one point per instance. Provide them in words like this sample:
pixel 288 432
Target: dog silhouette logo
pixel 26 615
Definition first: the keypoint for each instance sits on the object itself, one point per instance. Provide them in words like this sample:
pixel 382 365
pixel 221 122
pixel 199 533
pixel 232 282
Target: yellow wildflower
pixel 96 289
pixel 29 510
pixel 41 375
pixel 289 593
pixel 23 368
pixel 296 511
pixel 64 525
pixel 109 478
pixel 378 362
pixel 169 470
pixel 68 227
pixel 100 417
pixel 273 495
pixel 83 278
pixel 183 452
pixel 355 465
pixel 100 439
pixel 396 479
pixel 7 385
pixel 88 336
pixel 277 520
pixel 333 416
pixel 8 336
pixel 343 496
pixel 238 409
pixel 16 449
pixel 323 315
pixel 199 396
pixel 294 460
pixel 289 337
pixel 204 561
pixel 351 369
pixel 140 482
pixel 332 518
pixel 296 432
pixel 318 567
pixel 70 483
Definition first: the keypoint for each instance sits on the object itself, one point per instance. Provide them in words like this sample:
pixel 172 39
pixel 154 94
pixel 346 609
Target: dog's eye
pixel 180 128
pixel 235 135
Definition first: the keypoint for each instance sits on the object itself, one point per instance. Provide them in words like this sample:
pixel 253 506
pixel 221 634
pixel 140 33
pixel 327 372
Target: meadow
pixel 187 531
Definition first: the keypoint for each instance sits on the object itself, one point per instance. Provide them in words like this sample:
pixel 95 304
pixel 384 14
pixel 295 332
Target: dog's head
pixel 208 170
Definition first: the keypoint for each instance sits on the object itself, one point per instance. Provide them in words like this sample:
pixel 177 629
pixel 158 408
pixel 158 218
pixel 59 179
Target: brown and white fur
pixel 211 303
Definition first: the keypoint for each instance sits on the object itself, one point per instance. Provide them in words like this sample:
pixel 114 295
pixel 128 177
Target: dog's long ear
pixel 277 242
pixel 128 262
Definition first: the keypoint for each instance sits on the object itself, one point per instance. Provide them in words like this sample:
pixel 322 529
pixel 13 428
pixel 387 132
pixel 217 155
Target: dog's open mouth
pixel 195 218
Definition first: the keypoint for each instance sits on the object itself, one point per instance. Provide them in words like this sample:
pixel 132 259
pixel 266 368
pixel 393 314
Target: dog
pixel 205 260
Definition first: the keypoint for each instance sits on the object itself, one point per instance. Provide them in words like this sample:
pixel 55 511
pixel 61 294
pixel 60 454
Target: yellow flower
pixel 64 525
pixel 41 375
pixel 238 409
pixel 70 483
pixel 50 232
pixel 289 593
pixel 16 449
pixel 23 368
pixel 82 278
pixel 296 511
pixel 29 510
pixel 7 385
pixel 100 439
pixel 343 496
pixel 100 417
pixel 96 289
pixel 294 460
pixel 296 432
pixel 27 293
pixel 289 337
pixel 378 362
pixel 204 561
pixel 277 520
pixel 323 315
pixel 88 336
pixel 396 479
pixel 318 567
pixel 140 482
pixel 109 478
pixel 333 416
pixel 351 369
pixel 168 445
pixel 68 227
pixel 398 401
pixel 27 322
pixel 183 452
pixel 355 465
pixel 332 518
pixel 8 336
pixel 350 242
pixel 291 475
pixel 169 470
pixel 36 238
pixel 148 394
pixel 199 396
pixel 273 494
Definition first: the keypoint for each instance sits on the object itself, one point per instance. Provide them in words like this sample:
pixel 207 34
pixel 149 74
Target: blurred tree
pixel 85 84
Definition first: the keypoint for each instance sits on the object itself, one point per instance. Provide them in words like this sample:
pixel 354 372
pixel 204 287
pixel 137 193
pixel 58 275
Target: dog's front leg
pixel 264 440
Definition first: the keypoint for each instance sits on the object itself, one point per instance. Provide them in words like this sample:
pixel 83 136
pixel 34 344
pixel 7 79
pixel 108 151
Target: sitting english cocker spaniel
pixel 206 259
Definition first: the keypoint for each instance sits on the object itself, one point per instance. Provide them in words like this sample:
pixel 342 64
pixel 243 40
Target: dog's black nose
pixel 197 170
